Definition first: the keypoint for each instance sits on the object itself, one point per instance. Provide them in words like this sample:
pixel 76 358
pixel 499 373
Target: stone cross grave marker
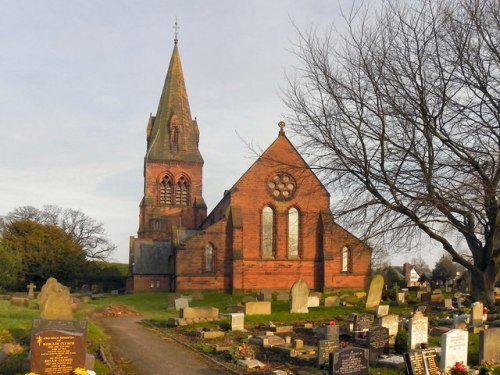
pixel 378 341
pixel 418 332
pixel 375 292
pixel 349 361
pixel 489 344
pixel 454 345
pixel 31 290
pixel 300 294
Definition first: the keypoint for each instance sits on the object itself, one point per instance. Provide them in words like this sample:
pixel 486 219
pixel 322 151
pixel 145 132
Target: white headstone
pixel 392 322
pixel 312 301
pixel 454 345
pixel 477 314
pixel 418 333
pixel 181 303
pixel 300 294
pixel 382 310
pixel 237 321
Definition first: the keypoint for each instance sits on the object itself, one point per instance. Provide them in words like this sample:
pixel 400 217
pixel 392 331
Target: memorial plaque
pixel 352 361
pixel 378 341
pixel 325 347
pixel 57 352
pixel 422 362
pixel 363 322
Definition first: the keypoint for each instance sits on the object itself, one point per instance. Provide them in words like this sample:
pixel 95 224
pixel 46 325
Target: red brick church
pixel 271 228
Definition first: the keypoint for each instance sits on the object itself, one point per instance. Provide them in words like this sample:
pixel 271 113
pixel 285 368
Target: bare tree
pixel 402 118
pixel 89 234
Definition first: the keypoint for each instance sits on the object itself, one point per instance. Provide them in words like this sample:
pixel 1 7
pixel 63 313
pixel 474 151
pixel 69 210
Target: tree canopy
pixel 85 231
pixel 400 116
pixel 44 251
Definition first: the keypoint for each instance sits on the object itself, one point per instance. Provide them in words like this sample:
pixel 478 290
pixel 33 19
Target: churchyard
pixel 302 332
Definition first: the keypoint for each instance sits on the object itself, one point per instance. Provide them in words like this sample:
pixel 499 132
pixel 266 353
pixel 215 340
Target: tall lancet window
pixel 346 259
pixel 166 190
pixel 182 193
pixel 267 240
pixel 208 259
pixel 293 232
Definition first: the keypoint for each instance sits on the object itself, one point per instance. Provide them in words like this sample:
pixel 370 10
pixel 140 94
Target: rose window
pixel 282 186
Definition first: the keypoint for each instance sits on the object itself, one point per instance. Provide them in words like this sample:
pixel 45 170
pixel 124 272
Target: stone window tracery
pixel 182 192
pixel 282 186
pixel 208 258
pixel 166 190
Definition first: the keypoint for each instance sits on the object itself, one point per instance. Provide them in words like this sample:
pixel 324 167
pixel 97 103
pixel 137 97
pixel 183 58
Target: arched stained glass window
pixel 267 241
pixel 293 232
pixel 182 193
pixel 166 190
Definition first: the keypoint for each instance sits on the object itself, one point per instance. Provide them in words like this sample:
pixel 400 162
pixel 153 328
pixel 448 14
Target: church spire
pixel 172 133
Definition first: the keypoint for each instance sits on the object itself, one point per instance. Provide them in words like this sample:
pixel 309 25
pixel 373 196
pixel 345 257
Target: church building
pixel 271 228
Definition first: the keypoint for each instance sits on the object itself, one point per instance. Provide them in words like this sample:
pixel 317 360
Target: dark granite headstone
pixel 57 352
pixel 378 341
pixel 325 347
pixel 363 322
pixel 425 298
pixel 421 362
pixel 349 361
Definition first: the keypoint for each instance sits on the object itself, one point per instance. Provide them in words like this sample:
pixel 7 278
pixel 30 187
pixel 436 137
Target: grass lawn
pixel 15 322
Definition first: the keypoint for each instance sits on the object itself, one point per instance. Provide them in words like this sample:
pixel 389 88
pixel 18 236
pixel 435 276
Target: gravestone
pixel 489 345
pixel 199 312
pixel 54 301
pixel 448 304
pixel 375 292
pixel 363 322
pixel 349 361
pixel 258 308
pixel 20 301
pixel 237 321
pixel 57 352
pixel 425 298
pixel 418 332
pixel 300 294
pixel 477 314
pixel 391 322
pixel 266 294
pixel 421 362
pixel 313 301
pixel 181 303
pixel 327 332
pixel 31 290
pixel 325 347
pixel 378 341
pixel 382 310
pixel 401 297
pixel 332 301
pixel 454 347
pixel 283 296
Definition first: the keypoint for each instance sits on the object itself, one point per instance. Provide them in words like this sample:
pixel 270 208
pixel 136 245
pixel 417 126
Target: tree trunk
pixel 483 286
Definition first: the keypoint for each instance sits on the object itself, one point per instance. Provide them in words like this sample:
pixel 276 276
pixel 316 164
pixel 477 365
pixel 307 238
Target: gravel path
pixel 149 354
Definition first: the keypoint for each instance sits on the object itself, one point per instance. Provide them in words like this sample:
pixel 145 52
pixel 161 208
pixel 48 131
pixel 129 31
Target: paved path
pixel 151 354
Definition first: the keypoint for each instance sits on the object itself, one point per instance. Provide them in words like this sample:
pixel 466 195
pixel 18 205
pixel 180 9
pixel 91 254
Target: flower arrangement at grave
pixel 486 367
pixel 241 351
pixel 76 371
pixel 459 369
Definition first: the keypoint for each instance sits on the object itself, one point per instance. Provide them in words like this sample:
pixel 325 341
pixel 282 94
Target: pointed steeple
pixel 172 133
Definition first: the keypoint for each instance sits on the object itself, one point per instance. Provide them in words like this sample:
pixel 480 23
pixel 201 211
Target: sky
pixel 78 80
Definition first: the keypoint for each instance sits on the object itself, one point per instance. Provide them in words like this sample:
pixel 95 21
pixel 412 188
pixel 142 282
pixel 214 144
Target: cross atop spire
pixel 176 27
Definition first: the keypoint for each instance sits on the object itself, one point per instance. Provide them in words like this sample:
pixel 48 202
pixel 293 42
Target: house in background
pixel 416 276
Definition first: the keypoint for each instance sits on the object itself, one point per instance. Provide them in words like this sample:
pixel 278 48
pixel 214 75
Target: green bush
pixel 401 345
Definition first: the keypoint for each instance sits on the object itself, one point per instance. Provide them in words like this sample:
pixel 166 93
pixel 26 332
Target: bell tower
pixel 173 165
